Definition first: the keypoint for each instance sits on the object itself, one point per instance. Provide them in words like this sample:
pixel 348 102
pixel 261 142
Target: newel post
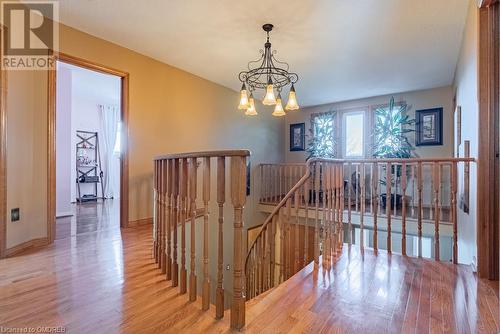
pixel 238 197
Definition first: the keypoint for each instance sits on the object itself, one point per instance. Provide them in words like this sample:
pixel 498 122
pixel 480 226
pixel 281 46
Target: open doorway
pixel 88 150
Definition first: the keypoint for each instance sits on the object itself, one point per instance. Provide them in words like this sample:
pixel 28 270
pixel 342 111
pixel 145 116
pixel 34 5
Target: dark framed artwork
pixel 297 137
pixel 429 127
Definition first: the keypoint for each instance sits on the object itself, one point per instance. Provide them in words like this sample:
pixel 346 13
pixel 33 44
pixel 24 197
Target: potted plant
pixel 391 141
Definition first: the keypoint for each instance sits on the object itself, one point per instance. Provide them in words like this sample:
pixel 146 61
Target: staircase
pixel 312 219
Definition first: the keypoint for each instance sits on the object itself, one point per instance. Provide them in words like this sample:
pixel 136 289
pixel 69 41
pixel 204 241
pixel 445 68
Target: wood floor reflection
pixel 89 217
pixel 107 282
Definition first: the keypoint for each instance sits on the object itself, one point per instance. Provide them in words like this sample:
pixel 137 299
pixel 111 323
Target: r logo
pixel 30 28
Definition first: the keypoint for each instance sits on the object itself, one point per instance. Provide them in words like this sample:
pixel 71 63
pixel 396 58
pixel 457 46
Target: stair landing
pixel 365 292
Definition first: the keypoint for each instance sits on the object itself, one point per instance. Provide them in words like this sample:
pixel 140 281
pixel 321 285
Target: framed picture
pixel 429 127
pixel 297 137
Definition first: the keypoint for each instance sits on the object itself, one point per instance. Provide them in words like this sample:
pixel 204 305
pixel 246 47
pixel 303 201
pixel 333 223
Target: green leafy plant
pixel 390 133
pixel 321 140
pixel 391 141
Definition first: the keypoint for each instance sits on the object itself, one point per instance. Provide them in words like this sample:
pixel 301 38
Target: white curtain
pixel 110 125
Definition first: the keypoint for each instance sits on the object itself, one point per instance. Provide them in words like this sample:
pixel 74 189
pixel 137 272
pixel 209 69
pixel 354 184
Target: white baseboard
pixel 64 214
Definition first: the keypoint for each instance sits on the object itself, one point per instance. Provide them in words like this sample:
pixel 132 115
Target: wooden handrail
pixel 402 160
pixel 204 154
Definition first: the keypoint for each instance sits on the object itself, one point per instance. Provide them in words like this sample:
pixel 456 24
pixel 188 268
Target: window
pixel 353 126
pixel 322 143
pixel 118 140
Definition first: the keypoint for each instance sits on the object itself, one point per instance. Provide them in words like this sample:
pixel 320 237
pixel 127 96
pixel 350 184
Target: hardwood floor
pixel 107 282
pixel 89 217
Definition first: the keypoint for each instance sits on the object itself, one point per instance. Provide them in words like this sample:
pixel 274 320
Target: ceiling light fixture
pixel 270 75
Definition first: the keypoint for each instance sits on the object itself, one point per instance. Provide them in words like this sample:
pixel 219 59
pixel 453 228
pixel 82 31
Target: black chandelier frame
pixel 269 71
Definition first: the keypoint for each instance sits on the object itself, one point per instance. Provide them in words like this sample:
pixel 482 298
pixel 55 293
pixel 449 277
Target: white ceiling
pixel 341 49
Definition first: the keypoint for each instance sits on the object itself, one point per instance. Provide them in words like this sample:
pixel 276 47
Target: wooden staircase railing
pixel 342 193
pixel 284 245
pixel 175 198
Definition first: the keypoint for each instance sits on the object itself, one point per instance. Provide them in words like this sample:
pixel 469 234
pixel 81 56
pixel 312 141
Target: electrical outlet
pixel 227 267
pixel 15 215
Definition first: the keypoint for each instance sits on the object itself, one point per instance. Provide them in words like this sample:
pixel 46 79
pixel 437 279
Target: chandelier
pixel 269 74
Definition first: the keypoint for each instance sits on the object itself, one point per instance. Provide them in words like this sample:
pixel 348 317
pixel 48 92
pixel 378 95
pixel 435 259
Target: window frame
pixel 345 114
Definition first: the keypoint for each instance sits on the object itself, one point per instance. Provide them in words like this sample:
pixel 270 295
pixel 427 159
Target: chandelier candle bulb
pixel 278 110
pixel 292 100
pixel 244 103
pixel 251 111
pixel 269 74
pixel 269 99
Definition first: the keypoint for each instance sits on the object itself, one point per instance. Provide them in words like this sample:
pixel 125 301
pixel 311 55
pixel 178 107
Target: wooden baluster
pixel 437 182
pixel 419 209
pixel 316 223
pixel 192 197
pixel 454 222
pixel 261 173
pixel 206 198
pixel 288 256
pixel 370 186
pixel 388 204
pixel 431 192
pixel 183 214
pixel 163 257
pixel 333 225
pixel 395 178
pixel 341 205
pixel 221 198
pixel 274 180
pixel 356 190
pixel 441 192
pixel 268 256
pixel 325 178
pixel 296 234
pixel 175 219
pixel 403 209
pixel 259 265
pixel 349 200
pixel 306 222
pixel 169 219
pixel 375 196
pixel 412 168
pixel 362 206
pixel 334 228
pixel 332 210
pixel 238 198
pixel 155 210
pixel 273 251
pixel 466 196
pixel 282 245
pixel 159 215
pixel 280 178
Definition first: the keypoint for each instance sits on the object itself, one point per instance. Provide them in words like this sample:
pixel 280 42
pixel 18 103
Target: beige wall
pixel 26 155
pixel 170 111
pixel 466 91
pixel 424 99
